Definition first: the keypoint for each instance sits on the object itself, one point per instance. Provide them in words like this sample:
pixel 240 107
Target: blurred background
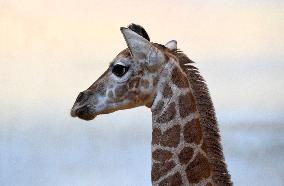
pixel 51 50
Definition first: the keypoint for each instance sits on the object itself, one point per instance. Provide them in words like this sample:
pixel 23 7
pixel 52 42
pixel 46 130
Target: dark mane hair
pixel 208 120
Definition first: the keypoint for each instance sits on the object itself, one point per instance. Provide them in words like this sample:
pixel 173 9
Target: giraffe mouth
pixel 83 113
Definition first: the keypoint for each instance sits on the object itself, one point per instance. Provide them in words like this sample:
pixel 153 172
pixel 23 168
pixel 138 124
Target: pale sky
pixel 54 48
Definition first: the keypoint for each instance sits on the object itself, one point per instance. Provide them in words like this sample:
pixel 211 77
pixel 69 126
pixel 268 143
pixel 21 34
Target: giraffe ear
pixel 140 48
pixel 172 45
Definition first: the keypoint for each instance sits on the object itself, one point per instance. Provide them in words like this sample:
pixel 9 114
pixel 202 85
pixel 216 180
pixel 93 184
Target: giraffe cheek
pixel 145 83
pixel 120 91
pixel 134 83
pixel 143 96
pixel 132 96
pixel 110 95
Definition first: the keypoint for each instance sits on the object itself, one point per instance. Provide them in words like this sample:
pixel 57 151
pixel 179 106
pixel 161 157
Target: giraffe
pixel 186 148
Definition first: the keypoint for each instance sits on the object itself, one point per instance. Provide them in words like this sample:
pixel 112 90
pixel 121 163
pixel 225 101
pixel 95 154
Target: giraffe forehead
pixel 144 57
pixel 122 60
pixel 123 57
pixel 125 53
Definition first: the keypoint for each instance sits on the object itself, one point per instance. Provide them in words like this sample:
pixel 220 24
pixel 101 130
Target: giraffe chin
pixel 87 117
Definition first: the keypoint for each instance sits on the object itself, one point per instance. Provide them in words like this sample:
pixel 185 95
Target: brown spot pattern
pixel 120 91
pixel 168 115
pixel 179 79
pixel 170 138
pixel 186 105
pixel 192 132
pixel 174 180
pixel 161 169
pixel 145 83
pixel 204 147
pixel 185 155
pixel 209 184
pixel 167 92
pixel 134 83
pixel 125 53
pixel 156 135
pixel 161 155
pixel 198 169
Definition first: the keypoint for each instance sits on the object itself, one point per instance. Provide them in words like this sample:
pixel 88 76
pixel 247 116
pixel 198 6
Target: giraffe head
pixel 130 81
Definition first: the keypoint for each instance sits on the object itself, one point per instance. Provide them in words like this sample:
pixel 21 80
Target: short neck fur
pixel 178 151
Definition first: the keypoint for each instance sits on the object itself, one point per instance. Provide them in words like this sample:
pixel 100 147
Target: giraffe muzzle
pixel 82 113
pixel 81 109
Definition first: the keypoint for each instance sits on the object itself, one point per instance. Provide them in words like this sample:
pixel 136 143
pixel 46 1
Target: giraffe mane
pixel 208 119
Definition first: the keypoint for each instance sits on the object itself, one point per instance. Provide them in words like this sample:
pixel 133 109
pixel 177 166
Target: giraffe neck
pixel 178 154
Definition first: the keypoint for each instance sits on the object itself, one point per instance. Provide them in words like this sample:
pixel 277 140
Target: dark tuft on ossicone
pixel 139 30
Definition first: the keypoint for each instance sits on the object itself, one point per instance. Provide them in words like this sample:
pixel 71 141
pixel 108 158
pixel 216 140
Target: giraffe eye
pixel 119 70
